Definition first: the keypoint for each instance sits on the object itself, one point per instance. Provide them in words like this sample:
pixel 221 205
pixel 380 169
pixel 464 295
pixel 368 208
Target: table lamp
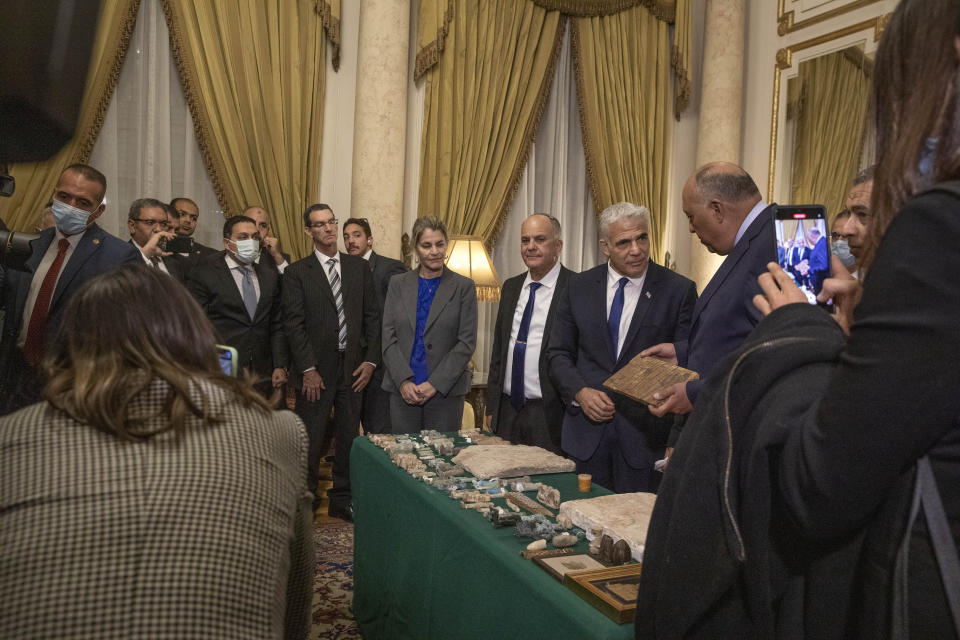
pixel 468 257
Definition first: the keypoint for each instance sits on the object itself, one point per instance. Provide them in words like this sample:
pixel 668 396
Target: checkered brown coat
pixel 207 535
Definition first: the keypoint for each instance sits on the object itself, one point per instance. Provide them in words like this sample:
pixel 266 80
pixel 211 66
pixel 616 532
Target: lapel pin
pixel 96 241
pixel 647 293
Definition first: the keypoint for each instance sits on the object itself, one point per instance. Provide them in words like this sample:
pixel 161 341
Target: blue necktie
pixel 249 292
pixel 616 310
pixel 520 351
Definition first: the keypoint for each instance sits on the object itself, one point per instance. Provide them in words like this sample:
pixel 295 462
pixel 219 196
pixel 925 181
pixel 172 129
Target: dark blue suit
pixel 96 252
pixel 725 314
pixel 580 355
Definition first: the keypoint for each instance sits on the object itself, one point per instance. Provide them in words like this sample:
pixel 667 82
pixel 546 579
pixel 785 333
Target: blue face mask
pixel 841 249
pixel 925 162
pixel 69 220
pixel 247 250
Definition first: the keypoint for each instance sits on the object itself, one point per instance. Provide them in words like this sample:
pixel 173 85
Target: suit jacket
pixel 725 314
pixel 383 268
pixel 580 355
pixel 177 265
pixel 449 336
pixel 152 524
pixel 311 321
pixel 96 253
pixel 261 343
pixel 509 298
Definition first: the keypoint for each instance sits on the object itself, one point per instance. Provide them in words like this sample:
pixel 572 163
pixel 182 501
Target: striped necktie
pixel 334 279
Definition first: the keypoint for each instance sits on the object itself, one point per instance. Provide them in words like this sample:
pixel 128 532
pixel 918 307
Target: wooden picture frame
pixel 612 590
pixel 560 565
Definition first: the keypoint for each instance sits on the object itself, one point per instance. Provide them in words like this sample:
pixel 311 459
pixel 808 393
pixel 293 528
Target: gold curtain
pixel 36 180
pixel 829 104
pixel 482 110
pixel 433 25
pixel 622 66
pixel 253 73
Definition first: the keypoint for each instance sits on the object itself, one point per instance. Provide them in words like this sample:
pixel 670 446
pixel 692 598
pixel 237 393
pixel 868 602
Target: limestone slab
pixel 504 461
pixel 622 516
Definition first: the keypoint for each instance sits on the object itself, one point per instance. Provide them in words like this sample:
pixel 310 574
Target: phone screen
pixel 803 246
pixel 228 359
pixel 180 244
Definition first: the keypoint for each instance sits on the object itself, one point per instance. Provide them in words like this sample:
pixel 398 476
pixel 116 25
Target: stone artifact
pixel 549 496
pixel 513 506
pixel 502 518
pixel 537 545
pixel 606 550
pixel 564 522
pixel 477 505
pixel 536 527
pixel 564 540
pixel 622 516
pixel 621 552
pixel 497 461
pixel 527 503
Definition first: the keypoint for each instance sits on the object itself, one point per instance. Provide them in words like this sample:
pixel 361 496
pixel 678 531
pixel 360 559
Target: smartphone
pixel 803 245
pixel 180 244
pixel 228 359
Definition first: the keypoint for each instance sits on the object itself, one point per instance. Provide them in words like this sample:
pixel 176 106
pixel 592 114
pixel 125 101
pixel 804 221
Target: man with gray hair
pixel 607 316
pixel 523 404
pixel 724 208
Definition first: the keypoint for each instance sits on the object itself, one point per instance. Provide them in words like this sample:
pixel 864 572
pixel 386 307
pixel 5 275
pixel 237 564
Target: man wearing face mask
pixel 838 241
pixel 241 297
pixel 64 257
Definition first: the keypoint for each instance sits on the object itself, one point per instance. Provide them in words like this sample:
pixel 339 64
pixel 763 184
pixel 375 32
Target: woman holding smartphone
pixel 429 335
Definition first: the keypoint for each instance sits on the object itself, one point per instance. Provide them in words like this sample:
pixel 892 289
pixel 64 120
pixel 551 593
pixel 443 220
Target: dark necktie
pixel 33 346
pixel 249 292
pixel 616 310
pixel 334 278
pixel 520 350
pixel 155 262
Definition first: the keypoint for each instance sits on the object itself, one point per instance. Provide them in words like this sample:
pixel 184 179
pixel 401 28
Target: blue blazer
pixel 580 355
pixel 97 252
pixel 725 314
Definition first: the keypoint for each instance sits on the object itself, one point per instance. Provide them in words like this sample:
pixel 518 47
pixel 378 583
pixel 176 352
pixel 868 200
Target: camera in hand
pixel 15 248
pixel 180 244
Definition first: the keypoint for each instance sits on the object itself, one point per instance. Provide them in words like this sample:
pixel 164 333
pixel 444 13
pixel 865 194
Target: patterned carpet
pixel 333 584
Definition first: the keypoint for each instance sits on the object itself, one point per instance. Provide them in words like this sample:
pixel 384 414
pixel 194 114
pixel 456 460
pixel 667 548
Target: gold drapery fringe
pixel 682 98
pixel 488 294
pixel 528 137
pixel 85 147
pixel 663 9
pixel 201 126
pixel 429 54
pixel 331 25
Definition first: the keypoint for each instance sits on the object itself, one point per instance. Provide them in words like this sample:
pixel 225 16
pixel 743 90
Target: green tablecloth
pixel 424 567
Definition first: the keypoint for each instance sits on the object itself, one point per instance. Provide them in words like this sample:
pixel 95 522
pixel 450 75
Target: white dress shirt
pixel 236 270
pixel 41 273
pixel 631 293
pixel 538 321
pixel 160 264
pixel 754 213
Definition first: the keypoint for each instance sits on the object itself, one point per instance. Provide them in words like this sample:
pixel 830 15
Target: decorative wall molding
pixel 786 22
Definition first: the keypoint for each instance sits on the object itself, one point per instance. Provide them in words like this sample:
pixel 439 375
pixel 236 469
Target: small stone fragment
pixel 621 552
pixel 537 545
pixel 564 522
pixel 549 496
pixel 564 540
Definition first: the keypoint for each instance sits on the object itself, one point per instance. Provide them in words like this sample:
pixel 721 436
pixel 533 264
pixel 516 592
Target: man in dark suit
pixel 358 240
pixel 724 208
pixel 523 402
pixel 188 215
pixel 242 300
pixel 150 225
pixel 63 258
pixel 610 314
pixel 799 258
pixel 333 325
pixel 818 263
pixel 278 259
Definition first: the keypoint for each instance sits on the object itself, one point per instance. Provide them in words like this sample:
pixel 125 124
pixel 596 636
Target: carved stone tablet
pixel 622 516
pixel 497 461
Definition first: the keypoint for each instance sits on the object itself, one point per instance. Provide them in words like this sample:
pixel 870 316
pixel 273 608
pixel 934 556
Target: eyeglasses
pixel 320 225
pixel 153 223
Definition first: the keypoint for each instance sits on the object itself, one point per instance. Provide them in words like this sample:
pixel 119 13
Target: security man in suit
pixel 523 403
pixel 724 208
pixel 64 257
pixel 358 240
pixel 242 300
pixel 278 259
pixel 610 314
pixel 150 224
pixel 333 326
pixel 188 215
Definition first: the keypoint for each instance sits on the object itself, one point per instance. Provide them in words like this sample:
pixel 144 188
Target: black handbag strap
pixel 927 495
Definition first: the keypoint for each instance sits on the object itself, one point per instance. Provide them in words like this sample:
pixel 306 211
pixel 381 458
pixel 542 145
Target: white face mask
pixel 247 250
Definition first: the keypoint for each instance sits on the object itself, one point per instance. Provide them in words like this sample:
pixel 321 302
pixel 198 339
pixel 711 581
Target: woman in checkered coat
pixel 150 495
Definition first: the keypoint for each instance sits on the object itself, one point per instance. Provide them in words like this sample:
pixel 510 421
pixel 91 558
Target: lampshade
pixel 468 257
